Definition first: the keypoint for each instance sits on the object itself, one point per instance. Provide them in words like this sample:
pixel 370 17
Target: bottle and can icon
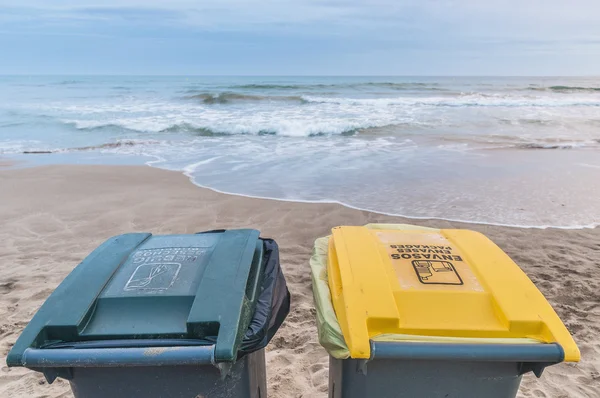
pixel 436 272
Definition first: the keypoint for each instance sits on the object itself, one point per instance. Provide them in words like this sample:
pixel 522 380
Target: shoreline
pixel 382 213
pixel 53 216
pixel 9 163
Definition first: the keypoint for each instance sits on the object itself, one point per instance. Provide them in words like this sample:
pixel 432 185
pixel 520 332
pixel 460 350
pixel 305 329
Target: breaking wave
pixel 566 89
pixel 463 99
pixel 466 100
pixel 230 97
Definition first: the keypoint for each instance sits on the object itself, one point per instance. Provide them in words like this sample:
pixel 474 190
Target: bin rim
pixel 542 353
pixel 40 358
pixel 128 343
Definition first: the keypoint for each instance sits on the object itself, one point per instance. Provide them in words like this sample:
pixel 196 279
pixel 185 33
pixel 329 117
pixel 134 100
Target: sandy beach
pixel 52 217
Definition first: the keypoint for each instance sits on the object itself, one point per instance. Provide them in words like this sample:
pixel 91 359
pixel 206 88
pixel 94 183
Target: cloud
pixel 400 31
pixel 464 18
pixel 128 13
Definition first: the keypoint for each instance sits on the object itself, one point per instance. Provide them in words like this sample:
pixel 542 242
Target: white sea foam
pixel 11 147
pixel 593 166
pixel 336 115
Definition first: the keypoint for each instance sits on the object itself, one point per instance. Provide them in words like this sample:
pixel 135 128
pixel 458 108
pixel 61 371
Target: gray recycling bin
pixel 162 316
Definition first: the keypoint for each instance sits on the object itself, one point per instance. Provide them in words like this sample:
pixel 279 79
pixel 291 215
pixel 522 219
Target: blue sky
pixel 295 37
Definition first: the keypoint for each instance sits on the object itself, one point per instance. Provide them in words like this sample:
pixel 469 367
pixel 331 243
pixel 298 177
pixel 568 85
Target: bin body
pixel 439 370
pixel 389 378
pixel 161 316
pixel 246 378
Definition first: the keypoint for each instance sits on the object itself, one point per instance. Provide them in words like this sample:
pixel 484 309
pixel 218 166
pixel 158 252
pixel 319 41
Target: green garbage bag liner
pixel 330 333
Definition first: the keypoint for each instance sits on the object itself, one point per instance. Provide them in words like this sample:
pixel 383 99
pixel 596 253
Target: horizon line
pixel 274 75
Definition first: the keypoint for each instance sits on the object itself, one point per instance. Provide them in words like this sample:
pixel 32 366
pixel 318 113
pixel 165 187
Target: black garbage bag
pixel 273 304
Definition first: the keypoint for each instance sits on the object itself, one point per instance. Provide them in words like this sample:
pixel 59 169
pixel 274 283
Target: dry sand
pixel 52 217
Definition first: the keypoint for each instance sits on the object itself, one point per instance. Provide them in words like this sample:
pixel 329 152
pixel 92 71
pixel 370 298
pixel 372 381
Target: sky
pixel 300 37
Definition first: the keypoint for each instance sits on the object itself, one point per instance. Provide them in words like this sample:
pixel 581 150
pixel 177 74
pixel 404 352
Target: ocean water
pixel 512 151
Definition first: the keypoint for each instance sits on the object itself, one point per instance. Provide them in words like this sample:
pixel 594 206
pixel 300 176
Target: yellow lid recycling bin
pixel 436 313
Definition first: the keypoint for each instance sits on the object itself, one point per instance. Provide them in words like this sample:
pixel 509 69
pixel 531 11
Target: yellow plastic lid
pixel 446 283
